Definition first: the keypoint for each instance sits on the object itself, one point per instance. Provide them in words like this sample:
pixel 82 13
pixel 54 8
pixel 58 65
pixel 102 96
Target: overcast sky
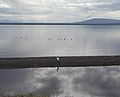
pixel 58 10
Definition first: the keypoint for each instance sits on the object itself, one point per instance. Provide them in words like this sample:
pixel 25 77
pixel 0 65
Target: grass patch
pixel 27 95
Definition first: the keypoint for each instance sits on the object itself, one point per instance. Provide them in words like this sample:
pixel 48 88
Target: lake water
pixel 59 40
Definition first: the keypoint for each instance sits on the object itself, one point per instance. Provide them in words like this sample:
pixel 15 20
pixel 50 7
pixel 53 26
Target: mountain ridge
pixel 96 21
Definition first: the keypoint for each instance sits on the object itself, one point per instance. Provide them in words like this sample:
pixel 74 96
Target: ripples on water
pixel 76 40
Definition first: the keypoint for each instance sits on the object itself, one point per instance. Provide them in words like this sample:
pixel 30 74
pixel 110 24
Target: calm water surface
pixel 59 40
pixel 72 40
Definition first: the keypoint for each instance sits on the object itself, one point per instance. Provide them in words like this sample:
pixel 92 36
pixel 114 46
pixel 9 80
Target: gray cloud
pixel 15 81
pixel 99 82
pixel 51 86
pixel 113 6
pixel 7 78
pixel 60 10
pixel 24 80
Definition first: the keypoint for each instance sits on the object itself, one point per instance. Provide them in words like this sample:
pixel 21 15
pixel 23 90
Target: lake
pixel 60 40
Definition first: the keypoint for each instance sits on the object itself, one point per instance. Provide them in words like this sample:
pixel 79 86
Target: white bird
pixel 58 59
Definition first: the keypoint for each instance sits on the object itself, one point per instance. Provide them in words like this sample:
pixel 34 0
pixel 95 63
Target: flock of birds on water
pixel 21 37
pixel 61 39
pixel 48 38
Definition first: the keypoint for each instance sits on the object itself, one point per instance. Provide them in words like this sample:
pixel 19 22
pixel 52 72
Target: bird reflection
pixel 57 69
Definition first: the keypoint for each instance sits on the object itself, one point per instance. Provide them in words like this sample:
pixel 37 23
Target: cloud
pixel 58 11
pixel 50 86
pixel 87 82
pixel 10 75
pixel 41 81
pixel 4 5
pixel 15 81
pixel 99 82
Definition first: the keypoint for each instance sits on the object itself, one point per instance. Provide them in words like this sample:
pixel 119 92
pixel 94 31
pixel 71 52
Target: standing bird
pixel 58 61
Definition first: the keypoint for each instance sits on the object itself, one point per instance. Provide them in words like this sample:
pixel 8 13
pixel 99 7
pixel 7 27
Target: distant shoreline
pixel 93 21
pixel 52 24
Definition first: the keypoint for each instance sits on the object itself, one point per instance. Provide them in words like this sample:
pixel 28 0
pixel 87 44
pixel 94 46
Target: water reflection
pixel 98 82
pixel 27 41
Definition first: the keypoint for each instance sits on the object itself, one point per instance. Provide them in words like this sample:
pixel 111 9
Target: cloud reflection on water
pixel 76 82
